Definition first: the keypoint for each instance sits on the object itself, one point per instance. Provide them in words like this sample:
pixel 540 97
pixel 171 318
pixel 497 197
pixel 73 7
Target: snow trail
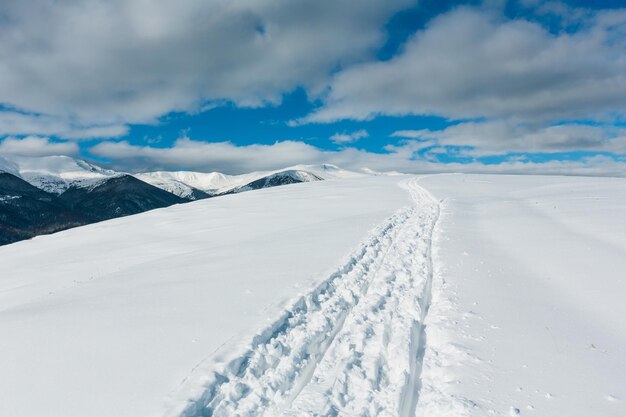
pixel 353 346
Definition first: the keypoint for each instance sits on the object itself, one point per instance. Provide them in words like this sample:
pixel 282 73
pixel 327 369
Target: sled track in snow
pixel 353 346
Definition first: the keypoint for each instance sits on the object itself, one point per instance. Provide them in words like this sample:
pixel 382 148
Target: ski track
pixel 354 346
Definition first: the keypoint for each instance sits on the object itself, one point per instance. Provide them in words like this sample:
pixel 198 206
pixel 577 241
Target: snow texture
pixel 527 310
pixel 128 317
pixel 350 347
pixel 472 295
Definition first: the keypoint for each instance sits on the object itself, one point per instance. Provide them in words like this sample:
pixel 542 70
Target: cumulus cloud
pixel 343 138
pixel 130 61
pixel 474 63
pixel 229 158
pixel 36 146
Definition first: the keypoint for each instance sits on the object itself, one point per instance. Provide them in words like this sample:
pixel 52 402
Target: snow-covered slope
pixel 469 295
pixel 127 317
pixel 528 306
pixel 56 174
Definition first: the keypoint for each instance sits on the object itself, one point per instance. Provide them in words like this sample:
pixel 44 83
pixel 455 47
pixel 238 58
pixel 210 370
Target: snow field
pixel 373 366
pixel 352 346
pixel 129 317
pixel 527 311
pixel 500 296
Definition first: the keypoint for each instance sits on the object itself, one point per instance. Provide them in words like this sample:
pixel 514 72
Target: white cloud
pixel 472 63
pixel 343 138
pixel 14 123
pixel 557 9
pixel 229 158
pixel 36 146
pixel 495 138
pixel 129 61
pixel 208 156
pixel 411 134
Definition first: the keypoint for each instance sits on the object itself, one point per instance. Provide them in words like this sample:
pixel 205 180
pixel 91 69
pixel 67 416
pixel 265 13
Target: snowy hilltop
pixel 370 295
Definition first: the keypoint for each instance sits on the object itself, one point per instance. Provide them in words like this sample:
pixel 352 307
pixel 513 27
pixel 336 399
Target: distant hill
pixel 118 196
pixel 40 195
pixel 277 179
pixel 27 211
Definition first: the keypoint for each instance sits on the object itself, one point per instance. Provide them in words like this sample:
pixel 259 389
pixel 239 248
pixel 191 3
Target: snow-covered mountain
pixel 290 176
pixel 185 183
pixel 26 211
pixel 86 193
pixel 330 171
pixel 9 166
pixel 48 194
pixel 118 196
pixel 55 174
pixel 197 185
pixel 176 183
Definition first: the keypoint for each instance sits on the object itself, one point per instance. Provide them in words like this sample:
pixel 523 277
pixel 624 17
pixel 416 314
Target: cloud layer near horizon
pixel 36 146
pixel 229 158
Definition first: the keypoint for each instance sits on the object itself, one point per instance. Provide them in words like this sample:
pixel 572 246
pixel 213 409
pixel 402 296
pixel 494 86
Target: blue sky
pixel 429 86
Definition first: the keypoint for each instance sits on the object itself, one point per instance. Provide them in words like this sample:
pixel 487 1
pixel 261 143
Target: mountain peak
pixel 55 174
pixel 9 167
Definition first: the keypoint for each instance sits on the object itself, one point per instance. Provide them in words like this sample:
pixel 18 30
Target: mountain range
pixel 41 195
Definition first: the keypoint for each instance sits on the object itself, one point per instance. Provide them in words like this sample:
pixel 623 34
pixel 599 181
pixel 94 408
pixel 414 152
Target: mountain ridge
pixel 48 194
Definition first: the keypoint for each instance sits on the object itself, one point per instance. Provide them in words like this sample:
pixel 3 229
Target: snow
pixel 299 175
pixel 469 295
pixel 8 166
pixel 329 171
pixel 278 178
pixel 179 182
pixel 348 329
pixel 182 183
pixel 527 311
pixel 372 366
pixel 167 182
pixel 56 174
pixel 111 319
